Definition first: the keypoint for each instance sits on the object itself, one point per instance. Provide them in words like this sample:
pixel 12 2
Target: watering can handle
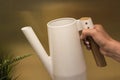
pixel 86 23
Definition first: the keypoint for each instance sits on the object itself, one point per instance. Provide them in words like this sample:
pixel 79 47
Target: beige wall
pixel 16 14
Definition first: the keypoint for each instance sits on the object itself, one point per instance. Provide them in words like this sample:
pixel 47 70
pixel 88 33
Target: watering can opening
pixel 61 22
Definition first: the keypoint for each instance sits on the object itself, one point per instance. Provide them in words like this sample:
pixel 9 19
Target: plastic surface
pixel 66 60
pixel 65 49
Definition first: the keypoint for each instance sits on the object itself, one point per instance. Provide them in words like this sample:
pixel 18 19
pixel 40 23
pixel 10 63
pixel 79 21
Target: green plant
pixel 7 64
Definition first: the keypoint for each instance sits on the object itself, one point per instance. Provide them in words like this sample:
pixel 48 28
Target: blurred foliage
pixel 7 65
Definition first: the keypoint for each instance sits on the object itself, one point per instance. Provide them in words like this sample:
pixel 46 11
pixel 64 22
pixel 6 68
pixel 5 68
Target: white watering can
pixel 66 60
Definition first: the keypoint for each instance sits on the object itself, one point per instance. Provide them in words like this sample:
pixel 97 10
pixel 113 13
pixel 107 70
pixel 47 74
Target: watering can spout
pixel 37 46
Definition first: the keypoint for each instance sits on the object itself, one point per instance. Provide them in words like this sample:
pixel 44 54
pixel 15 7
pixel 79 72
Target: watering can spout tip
pixel 26 28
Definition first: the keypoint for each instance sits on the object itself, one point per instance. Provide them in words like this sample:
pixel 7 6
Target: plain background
pixel 15 14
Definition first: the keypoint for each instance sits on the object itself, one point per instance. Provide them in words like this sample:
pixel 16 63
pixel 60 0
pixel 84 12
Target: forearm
pixel 114 50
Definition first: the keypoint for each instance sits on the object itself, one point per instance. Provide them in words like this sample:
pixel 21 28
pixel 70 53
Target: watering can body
pixel 66 60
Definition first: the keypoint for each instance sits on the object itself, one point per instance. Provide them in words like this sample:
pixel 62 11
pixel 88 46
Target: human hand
pixel 108 46
pixel 99 35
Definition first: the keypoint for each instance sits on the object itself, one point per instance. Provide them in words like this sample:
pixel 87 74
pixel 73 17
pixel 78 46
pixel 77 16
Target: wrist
pixel 114 47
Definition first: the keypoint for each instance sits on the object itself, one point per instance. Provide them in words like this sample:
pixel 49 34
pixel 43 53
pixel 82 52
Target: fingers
pixel 91 32
pixel 87 32
pixel 87 44
pixel 98 26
